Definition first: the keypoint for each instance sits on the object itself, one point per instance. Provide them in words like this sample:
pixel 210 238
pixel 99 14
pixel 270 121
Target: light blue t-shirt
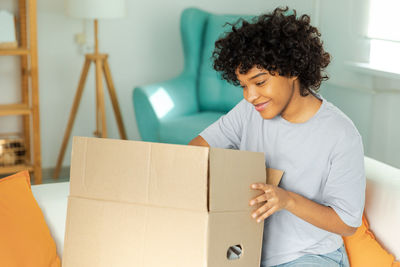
pixel 322 160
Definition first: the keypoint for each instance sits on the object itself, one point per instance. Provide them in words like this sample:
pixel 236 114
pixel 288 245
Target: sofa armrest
pixel 160 101
pixel 382 203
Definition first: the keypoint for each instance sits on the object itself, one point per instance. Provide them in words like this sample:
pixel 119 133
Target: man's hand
pixel 275 199
pixel 198 141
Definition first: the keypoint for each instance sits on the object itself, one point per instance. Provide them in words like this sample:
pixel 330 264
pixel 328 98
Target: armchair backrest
pixel 200 30
pixel 192 23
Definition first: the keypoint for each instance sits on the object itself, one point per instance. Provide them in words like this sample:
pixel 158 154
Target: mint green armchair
pixel 177 110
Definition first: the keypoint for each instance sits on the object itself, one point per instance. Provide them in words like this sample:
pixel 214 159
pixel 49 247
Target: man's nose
pixel 251 94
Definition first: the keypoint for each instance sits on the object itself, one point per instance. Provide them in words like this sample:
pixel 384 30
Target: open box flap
pixel 231 174
pixel 154 174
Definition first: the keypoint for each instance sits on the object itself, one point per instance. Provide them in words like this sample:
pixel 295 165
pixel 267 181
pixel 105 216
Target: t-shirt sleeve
pixel 345 187
pixel 226 132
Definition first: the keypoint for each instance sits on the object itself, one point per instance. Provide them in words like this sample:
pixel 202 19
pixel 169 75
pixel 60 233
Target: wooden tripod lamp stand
pixel 94 9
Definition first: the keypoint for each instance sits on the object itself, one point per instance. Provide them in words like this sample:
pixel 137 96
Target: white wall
pixel 144 47
pixel 372 102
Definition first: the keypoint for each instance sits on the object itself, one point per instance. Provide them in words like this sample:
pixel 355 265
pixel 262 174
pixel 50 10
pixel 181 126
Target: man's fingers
pixel 261 198
pixel 259 186
pixel 261 210
pixel 267 214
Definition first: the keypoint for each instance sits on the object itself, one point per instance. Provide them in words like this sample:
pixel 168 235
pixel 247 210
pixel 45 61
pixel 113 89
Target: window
pixel 384 34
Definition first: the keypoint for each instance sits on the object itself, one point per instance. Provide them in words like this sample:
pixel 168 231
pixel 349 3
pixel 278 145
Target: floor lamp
pixel 94 9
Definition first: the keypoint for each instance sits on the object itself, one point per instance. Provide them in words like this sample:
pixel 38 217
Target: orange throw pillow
pixel 364 251
pixel 25 239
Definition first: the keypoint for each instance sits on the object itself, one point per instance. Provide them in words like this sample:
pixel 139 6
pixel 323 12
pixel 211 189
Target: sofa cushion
pixel 182 130
pixel 216 94
pixel 364 251
pixel 25 239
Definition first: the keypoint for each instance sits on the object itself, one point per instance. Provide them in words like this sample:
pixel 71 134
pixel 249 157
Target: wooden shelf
pixel 14 52
pixel 15 168
pixel 14 109
pixel 29 87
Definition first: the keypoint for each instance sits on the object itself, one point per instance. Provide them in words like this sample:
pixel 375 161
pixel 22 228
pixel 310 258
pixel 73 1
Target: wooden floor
pixel 49 180
pixel 48 176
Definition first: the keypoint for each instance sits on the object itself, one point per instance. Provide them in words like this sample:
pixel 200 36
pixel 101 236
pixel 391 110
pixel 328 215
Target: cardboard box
pixel 159 205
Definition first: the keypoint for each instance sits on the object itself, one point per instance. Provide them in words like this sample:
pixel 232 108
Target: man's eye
pixel 260 83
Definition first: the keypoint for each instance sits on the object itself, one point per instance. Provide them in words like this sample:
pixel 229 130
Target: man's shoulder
pixel 338 122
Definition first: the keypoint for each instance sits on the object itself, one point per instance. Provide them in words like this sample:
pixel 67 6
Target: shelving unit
pixel 29 106
pixel 14 52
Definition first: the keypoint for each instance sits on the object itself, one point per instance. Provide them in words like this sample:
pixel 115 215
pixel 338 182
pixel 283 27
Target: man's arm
pixel 198 141
pixel 319 215
pixel 275 198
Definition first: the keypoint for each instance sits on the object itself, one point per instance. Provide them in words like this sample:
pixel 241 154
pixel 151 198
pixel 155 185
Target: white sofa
pixel 382 205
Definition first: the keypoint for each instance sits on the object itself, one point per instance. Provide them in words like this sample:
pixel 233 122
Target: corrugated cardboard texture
pixel 231 174
pixel 104 234
pixel 226 229
pixel 139 172
pixel 145 204
pixel 274 176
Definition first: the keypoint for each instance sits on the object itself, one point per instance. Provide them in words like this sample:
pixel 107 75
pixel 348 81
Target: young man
pixel 278 60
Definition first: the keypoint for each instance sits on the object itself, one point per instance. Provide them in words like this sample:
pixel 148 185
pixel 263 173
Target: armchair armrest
pixel 156 102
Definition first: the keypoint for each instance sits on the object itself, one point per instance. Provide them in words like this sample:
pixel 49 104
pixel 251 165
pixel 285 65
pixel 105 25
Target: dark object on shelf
pixel 12 150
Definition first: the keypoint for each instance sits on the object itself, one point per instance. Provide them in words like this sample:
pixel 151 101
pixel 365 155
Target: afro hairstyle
pixel 278 42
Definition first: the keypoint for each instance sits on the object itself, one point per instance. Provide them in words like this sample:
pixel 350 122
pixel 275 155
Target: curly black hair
pixel 278 42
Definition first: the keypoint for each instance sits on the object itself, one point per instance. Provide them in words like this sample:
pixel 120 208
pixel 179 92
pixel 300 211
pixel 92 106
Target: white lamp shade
pixel 95 9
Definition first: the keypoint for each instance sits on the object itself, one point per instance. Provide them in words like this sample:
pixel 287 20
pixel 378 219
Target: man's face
pixel 270 94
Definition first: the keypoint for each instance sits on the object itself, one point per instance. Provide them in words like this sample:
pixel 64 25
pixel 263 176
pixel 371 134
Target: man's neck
pixel 301 108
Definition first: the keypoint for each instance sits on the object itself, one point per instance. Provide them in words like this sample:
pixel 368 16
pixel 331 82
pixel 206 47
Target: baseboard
pixel 47 174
